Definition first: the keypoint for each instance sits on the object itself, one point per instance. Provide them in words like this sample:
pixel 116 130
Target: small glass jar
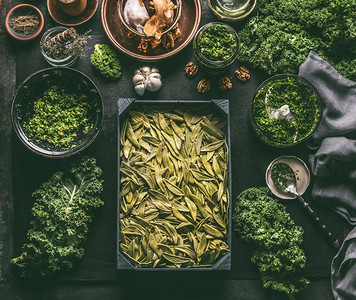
pixel 64 62
pixel 214 66
pixel 232 10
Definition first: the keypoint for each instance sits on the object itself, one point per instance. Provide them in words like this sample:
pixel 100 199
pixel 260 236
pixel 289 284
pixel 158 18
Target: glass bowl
pixel 209 65
pixel 33 88
pixel 236 10
pixel 301 119
pixel 177 15
pixel 65 62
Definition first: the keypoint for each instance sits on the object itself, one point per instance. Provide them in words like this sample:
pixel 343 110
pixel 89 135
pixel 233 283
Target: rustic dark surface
pixel 95 276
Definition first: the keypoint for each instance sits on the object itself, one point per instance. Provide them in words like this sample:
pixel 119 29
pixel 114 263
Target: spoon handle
pixel 332 238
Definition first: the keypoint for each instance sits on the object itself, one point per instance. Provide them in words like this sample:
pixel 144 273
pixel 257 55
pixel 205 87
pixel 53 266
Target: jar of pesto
pixel 216 47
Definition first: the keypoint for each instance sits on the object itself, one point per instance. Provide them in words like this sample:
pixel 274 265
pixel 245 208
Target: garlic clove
pixel 153 84
pixel 154 75
pixel 154 70
pixel 140 89
pixel 145 70
pixel 138 78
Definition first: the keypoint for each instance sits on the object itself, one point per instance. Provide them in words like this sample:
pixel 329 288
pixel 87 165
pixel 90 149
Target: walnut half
pixel 191 69
pixel 203 86
pixel 225 83
pixel 243 74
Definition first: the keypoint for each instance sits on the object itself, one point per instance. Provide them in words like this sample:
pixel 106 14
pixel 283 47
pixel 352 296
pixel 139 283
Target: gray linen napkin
pixel 334 164
pixel 343 269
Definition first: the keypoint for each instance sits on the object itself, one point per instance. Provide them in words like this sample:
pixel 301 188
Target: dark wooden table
pixel 95 276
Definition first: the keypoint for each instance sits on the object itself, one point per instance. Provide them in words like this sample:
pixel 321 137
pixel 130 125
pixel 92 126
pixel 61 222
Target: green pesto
pixel 303 104
pixel 59 117
pixel 281 174
pixel 217 43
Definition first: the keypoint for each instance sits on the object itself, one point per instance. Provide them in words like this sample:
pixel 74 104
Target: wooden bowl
pixel 20 10
pixel 60 17
pixel 117 33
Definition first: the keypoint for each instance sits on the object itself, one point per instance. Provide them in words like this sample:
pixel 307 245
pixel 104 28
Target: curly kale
pixel 64 206
pixel 263 221
pixel 105 60
pixel 280 38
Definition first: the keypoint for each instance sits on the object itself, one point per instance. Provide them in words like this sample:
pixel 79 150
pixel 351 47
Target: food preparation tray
pixel 220 108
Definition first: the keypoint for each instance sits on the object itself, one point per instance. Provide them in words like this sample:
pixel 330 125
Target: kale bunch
pixel 64 206
pixel 280 38
pixel 263 221
pixel 105 60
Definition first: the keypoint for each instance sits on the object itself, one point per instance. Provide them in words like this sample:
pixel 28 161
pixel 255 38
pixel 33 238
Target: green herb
pixel 281 174
pixel 280 38
pixel 303 104
pixel 263 221
pixel 64 206
pixel 59 117
pixel 217 43
pixel 105 60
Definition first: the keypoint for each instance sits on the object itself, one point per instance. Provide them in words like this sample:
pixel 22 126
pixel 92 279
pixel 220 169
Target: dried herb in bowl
pixel 25 24
pixel 174 199
pixel 64 44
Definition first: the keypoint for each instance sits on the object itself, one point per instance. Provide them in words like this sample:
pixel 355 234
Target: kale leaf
pixel 263 221
pixel 105 60
pixel 64 206
pixel 280 38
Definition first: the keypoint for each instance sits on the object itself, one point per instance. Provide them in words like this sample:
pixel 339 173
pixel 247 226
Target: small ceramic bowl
pixel 60 17
pixel 23 10
pixel 302 173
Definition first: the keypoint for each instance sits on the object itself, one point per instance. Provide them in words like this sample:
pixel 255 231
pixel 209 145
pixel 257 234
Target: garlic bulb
pixel 135 14
pixel 146 78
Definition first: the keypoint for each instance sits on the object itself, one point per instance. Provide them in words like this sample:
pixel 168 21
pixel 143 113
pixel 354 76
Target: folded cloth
pixel 343 269
pixel 338 96
pixel 334 164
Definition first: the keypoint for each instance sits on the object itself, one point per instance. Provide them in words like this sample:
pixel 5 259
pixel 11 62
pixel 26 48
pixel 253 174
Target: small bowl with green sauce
pixel 286 110
pixel 57 112
pixel 216 47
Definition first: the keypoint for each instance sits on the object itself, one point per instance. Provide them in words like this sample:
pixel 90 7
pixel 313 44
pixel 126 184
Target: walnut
pixel 243 74
pixel 203 86
pixel 142 47
pixel 168 40
pixel 225 83
pixel 191 69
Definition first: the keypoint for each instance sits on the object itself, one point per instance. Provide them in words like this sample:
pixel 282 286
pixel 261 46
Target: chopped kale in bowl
pixel 57 112
pixel 286 110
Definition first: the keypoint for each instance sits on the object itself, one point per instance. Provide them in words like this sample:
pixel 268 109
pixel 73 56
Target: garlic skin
pixel 146 78
pixel 135 14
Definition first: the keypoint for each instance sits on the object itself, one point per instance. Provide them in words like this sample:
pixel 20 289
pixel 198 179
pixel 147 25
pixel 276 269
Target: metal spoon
pixel 284 179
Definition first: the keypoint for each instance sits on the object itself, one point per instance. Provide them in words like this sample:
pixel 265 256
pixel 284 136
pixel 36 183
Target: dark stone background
pixel 95 276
